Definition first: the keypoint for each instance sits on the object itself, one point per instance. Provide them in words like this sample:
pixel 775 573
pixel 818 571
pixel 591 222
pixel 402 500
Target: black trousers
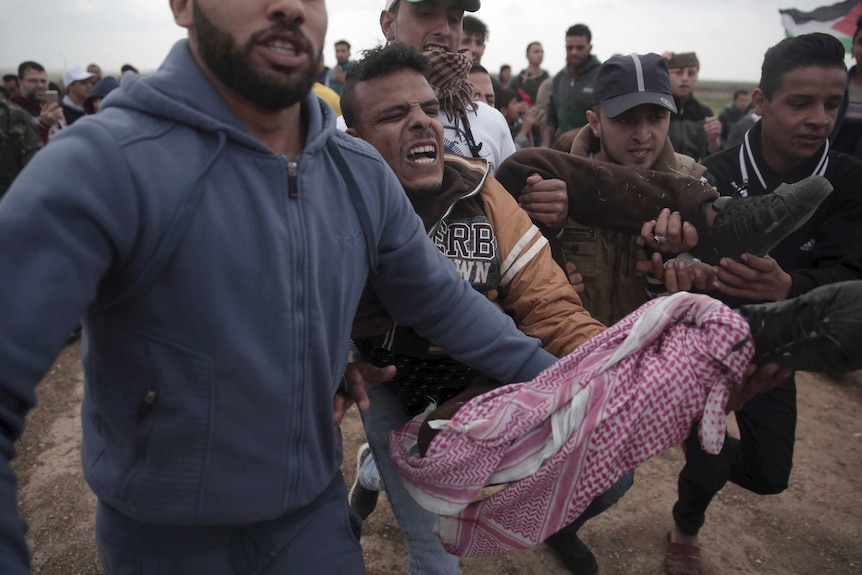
pixel 759 461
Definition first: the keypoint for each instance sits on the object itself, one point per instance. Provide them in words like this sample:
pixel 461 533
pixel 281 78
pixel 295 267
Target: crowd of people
pixel 254 242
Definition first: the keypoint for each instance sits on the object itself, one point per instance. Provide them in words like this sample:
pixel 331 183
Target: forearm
pixel 713 145
pixel 548 135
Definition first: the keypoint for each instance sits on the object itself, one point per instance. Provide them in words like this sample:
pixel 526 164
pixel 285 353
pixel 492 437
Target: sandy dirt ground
pixel 814 528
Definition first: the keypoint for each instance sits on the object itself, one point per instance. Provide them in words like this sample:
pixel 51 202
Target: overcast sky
pixel 729 36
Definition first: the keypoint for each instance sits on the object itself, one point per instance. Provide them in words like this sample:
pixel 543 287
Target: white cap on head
pixel 74 74
pixel 467 5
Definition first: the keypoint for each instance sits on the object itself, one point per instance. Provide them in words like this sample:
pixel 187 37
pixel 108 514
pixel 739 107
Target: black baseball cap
pixel 624 82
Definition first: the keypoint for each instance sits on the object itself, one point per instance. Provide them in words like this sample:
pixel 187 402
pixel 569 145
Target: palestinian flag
pixel 838 20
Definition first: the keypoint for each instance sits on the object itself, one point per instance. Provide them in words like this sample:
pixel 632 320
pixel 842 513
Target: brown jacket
pixel 533 289
pixel 606 258
pixel 493 244
pixel 477 224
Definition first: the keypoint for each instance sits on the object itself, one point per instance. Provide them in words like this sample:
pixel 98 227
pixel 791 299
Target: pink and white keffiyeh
pixel 568 435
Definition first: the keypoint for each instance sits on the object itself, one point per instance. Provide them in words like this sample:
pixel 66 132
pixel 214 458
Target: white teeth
pixel 414 154
pixel 283 47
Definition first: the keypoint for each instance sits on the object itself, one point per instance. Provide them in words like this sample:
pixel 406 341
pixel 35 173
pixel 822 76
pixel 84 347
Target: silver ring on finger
pixel 659 239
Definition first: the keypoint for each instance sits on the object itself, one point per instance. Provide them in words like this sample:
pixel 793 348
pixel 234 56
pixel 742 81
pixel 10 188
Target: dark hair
pixel 476 27
pixel 128 68
pixel 378 63
pixel 580 30
pixel 345 42
pixel 505 97
pixel 505 67
pixel 29 65
pixel 816 49
pixel 10 77
pixel 739 93
pixel 531 44
pixel 479 69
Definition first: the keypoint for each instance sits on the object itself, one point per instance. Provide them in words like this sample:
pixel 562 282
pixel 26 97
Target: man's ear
pixel 758 101
pixel 182 10
pixel 595 124
pixel 352 132
pixel 387 25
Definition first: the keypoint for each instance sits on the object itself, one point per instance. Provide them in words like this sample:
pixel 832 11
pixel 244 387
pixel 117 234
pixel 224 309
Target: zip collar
pixel 750 150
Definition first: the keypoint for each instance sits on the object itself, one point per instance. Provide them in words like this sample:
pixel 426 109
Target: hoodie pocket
pixel 144 426
pixel 154 399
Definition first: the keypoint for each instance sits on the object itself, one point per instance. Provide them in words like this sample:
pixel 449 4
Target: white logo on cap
pixel 665 101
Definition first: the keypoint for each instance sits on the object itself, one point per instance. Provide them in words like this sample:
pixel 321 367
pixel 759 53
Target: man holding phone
pixel 47 116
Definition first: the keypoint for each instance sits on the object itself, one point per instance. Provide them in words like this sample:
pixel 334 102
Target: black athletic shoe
pixel 817 331
pixel 573 553
pixel 361 499
pixel 757 224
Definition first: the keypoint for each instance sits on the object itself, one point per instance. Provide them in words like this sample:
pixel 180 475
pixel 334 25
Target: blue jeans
pixel 425 553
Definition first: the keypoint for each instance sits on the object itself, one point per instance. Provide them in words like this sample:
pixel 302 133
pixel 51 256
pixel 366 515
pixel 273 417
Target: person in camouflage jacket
pixel 19 141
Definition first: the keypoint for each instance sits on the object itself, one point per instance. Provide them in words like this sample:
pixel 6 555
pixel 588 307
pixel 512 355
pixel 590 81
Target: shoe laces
pixel 765 210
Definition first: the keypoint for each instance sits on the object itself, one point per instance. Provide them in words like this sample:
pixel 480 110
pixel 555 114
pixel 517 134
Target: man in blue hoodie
pixel 206 230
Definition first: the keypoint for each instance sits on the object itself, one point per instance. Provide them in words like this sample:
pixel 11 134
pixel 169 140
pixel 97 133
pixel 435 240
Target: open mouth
pixel 283 47
pixel 422 154
pixel 812 139
pixel 640 153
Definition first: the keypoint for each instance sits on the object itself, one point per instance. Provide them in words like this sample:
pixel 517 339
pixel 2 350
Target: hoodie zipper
pixel 295 427
pixel 292 180
pixel 476 189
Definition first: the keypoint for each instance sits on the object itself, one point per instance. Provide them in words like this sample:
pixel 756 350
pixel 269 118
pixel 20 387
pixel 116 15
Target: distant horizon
pixel 57 76
pixel 729 37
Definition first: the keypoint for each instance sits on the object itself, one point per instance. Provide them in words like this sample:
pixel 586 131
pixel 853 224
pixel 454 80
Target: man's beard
pixel 234 68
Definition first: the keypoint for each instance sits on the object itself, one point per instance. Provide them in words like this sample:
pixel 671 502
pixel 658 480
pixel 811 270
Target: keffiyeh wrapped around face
pixel 568 435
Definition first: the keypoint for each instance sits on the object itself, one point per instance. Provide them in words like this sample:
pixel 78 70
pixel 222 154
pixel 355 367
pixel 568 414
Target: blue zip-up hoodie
pixel 218 283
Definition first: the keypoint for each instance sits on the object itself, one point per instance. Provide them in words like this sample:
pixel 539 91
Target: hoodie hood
pixel 462 178
pixel 104 87
pixel 180 92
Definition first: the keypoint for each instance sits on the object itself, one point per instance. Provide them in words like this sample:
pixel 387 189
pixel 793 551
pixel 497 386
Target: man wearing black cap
pixel 628 126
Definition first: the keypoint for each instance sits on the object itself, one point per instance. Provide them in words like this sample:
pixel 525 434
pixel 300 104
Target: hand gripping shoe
pixel 757 224
pixel 817 331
